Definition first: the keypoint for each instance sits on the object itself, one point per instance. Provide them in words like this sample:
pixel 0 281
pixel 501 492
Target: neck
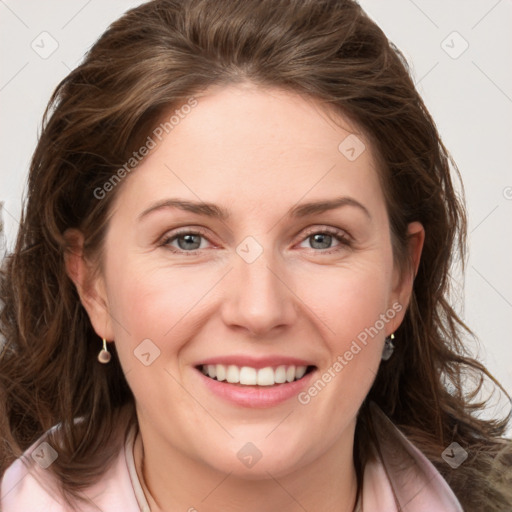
pixel 328 484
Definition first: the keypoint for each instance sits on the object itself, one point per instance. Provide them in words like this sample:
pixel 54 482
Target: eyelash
pixel 339 235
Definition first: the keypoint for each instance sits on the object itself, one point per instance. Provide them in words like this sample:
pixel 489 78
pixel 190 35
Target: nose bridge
pixel 259 299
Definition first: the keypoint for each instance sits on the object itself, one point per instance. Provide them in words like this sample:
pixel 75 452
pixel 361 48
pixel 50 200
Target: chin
pixel 256 460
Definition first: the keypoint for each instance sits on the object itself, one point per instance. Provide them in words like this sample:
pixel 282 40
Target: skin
pixel 256 153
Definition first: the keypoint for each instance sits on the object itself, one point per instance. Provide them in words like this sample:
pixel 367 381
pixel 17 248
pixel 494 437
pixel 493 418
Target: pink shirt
pixel 387 486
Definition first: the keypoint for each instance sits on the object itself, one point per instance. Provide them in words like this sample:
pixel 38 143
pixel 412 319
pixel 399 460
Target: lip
pixel 256 397
pixel 255 362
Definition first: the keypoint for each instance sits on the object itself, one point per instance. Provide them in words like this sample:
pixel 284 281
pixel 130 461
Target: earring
pixel 387 352
pixel 104 355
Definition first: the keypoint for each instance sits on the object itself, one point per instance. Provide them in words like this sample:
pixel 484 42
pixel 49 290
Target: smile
pixel 249 376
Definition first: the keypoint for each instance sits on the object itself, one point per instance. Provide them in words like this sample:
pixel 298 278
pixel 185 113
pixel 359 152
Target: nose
pixel 259 297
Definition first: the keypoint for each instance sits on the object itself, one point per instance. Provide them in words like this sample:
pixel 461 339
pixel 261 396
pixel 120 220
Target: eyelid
pixel 331 230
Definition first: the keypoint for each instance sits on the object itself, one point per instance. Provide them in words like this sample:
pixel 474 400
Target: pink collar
pixel 400 477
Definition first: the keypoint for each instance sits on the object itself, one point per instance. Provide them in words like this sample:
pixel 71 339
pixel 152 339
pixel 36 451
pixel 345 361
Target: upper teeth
pixel 248 376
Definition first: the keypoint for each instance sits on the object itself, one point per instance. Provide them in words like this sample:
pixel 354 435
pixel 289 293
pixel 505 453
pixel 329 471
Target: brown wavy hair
pixel 152 59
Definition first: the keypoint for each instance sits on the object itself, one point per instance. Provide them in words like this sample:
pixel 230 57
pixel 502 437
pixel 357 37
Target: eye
pixel 322 239
pixel 187 241
pixel 190 241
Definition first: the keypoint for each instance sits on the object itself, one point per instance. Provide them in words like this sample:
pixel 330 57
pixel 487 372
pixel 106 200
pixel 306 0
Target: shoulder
pixel 29 486
pixel 401 476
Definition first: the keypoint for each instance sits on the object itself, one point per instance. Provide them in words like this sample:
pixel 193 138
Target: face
pixel 240 314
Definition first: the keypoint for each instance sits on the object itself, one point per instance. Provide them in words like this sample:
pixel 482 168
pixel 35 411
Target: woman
pixel 229 286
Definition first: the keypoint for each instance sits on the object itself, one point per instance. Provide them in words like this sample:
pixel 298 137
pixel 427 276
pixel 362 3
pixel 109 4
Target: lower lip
pixel 256 396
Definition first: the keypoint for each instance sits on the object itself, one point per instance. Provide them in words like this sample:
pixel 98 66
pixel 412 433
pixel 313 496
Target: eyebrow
pixel 215 211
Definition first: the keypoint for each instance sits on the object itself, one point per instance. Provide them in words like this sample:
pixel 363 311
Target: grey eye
pixel 189 241
pixel 321 240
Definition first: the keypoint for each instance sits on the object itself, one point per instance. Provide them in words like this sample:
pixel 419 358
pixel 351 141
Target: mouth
pixel 250 376
pixel 255 382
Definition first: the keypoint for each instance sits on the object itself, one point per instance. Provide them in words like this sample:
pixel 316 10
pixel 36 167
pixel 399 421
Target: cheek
pixel 354 312
pixel 348 301
pixel 153 317
pixel 155 302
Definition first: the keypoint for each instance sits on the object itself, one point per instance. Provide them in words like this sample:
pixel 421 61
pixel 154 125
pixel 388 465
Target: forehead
pixel 263 122
pixel 256 143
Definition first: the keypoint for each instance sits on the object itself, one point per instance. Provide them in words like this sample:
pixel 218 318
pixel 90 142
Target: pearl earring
pixel 104 355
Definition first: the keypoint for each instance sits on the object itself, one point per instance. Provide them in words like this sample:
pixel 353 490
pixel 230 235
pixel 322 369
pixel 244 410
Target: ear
pixel 403 279
pixel 89 284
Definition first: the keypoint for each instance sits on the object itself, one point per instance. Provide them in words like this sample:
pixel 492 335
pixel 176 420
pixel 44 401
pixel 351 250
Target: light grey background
pixel 469 94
